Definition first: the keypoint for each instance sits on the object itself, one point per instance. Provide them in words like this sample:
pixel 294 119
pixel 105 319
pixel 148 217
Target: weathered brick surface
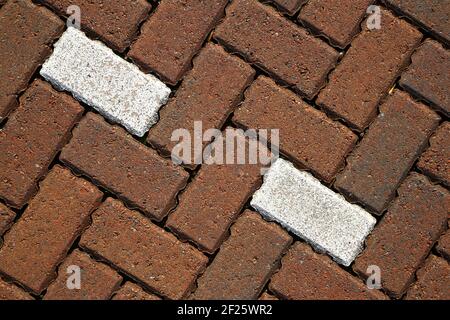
pixel 97 281
pixel 428 75
pixel 404 237
pixel 6 218
pixel 31 138
pixel 24 45
pixel 55 217
pixel 131 291
pixel 209 93
pixel 435 160
pixel 306 134
pixel 443 246
pixel 245 261
pixel 290 6
pixel 268 296
pixel 144 251
pixel 132 171
pixel 387 151
pixel 306 275
pixel 339 20
pixel 293 55
pixel 115 22
pixel 432 14
pixel 433 281
pixel 355 87
pixel 210 202
pixel 174 34
pixel 9 291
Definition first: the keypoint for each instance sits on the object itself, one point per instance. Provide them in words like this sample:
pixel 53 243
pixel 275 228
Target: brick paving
pixel 87 122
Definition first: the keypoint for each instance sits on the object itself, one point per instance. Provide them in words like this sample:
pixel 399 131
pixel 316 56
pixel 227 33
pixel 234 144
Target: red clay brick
pixel 428 75
pixel 338 20
pixel 98 281
pixel 144 251
pixel 39 241
pixel 209 93
pixel 9 291
pixel 306 134
pixel 433 281
pixel 368 70
pixel 173 35
pixel 135 173
pixel 115 22
pixel 245 261
pixel 405 236
pixel 131 291
pixel 443 246
pixel 31 138
pixel 306 275
pixel 387 152
pixel 24 46
pixel 431 14
pixel 293 56
pixel 210 202
pixel 435 160
pixel 289 6
pixel 268 296
pixel 6 218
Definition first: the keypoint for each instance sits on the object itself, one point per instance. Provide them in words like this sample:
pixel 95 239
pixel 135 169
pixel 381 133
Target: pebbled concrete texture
pixel 95 75
pixel 304 206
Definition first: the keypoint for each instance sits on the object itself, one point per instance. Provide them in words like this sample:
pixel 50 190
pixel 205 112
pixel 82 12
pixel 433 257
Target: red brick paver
pixel 26 32
pixel 31 138
pixel 355 87
pixel 306 275
pixel 293 56
pixel 144 251
pixel 97 281
pixel 53 220
pixel 306 134
pixel 6 218
pixel 289 6
pixel 112 158
pixel 443 246
pixel 174 34
pixel 131 291
pixel 387 151
pixel 403 239
pixel 245 261
pixel 9 291
pixel 115 22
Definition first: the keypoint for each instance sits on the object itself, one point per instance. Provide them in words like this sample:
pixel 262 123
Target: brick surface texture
pixel 224 150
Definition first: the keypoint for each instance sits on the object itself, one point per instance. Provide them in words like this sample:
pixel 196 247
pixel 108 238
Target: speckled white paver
pixel 94 74
pixel 300 203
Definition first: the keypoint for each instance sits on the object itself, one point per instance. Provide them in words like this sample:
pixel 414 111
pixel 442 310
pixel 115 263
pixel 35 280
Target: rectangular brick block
pixel 95 75
pixel 173 35
pixel 433 281
pixel 443 246
pixel 428 75
pixel 293 56
pixel 97 281
pixel 338 20
pixel 115 22
pixel 387 151
pixel 6 218
pixel 131 291
pixel 39 241
pixel 209 93
pixel 289 6
pixel 300 203
pixel 212 201
pixel 245 261
pixel 25 45
pixel 435 160
pixel 9 291
pixel 306 135
pixel 31 138
pixel 142 250
pixel 405 236
pixel 431 14
pixel 306 275
pixel 368 70
pixel 126 167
